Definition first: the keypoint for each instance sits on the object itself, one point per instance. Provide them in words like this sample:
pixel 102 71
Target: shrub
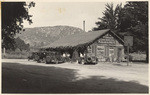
pixel 16 55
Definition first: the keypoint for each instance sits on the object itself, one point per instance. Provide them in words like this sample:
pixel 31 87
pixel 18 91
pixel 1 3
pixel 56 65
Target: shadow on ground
pixel 19 78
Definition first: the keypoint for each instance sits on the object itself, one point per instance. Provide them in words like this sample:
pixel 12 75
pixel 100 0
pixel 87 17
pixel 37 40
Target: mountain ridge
pixel 40 36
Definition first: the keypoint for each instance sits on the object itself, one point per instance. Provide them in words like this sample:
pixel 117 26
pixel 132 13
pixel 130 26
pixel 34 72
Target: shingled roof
pixel 78 39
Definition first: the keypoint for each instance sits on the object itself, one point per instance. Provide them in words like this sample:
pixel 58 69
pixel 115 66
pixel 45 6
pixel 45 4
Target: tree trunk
pixel 147 55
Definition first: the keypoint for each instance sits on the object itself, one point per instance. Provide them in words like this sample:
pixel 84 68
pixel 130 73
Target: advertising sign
pixel 107 39
pixel 101 53
pixel 128 40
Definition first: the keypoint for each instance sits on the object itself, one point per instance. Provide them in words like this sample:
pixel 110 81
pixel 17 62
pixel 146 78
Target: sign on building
pixel 101 53
pixel 128 40
pixel 107 39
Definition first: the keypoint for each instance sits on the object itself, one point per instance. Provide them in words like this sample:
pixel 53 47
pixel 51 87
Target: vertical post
pixel 4 50
pixel 95 50
pixel 84 25
pixel 85 53
pixel 75 55
pixel 128 54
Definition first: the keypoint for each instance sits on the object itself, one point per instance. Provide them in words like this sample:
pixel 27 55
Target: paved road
pixel 19 78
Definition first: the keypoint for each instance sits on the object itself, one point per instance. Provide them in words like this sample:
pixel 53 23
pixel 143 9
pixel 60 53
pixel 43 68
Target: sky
pixel 67 13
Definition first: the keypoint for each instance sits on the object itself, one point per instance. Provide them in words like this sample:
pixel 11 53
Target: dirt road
pixel 31 77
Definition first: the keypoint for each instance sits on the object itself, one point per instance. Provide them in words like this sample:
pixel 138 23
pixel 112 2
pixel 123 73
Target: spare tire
pixel 89 60
pixel 48 59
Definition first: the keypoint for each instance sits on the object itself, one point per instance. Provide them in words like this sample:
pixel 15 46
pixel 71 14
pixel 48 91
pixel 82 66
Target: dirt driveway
pixel 135 72
pixel 113 75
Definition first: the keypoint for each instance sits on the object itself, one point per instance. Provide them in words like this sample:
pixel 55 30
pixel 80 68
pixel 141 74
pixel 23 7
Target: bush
pixel 15 55
pixel 137 57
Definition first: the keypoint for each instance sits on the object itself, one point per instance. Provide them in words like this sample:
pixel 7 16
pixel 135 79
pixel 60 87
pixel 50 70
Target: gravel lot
pixel 100 78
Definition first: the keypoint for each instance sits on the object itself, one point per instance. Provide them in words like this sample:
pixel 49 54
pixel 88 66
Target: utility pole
pixel 128 41
pixel 128 60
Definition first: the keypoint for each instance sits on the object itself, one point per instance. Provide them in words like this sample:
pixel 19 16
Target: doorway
pixel 119 54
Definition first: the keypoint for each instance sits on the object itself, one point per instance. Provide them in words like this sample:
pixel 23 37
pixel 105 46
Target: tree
pixel 21 45
pixel 13 14
pixel 134 21
pixel 109 20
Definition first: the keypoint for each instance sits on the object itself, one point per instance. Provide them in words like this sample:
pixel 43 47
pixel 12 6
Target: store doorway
pixel 119 54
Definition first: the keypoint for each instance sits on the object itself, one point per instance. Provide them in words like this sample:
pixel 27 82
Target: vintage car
pixel 48 57
pixel 88 60
pixel 55 57
pixel 31 56
pixel 40 56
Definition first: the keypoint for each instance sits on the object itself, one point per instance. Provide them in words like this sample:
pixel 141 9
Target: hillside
pixel 40 36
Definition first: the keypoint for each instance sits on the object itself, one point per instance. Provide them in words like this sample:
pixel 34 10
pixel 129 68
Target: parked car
pixel 54 57
pixel 88 60
pixel 37 56
pixel 31 56
pixel 48 57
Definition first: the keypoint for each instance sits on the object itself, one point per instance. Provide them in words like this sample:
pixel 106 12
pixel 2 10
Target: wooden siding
pixel 106 48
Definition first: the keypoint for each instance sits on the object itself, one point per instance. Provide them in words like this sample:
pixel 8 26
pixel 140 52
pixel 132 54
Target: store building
pixel 104 44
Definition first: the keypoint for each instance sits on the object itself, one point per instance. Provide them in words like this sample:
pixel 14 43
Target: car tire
pixel 89 60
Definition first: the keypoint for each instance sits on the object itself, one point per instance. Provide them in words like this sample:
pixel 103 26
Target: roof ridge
pixel 77 39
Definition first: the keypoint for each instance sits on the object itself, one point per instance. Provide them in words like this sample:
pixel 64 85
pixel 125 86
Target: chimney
pixel 84 25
